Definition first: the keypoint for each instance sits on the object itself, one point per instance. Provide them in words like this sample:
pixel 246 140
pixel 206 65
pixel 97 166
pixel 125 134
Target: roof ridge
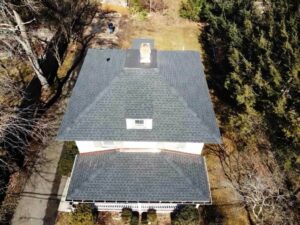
pixel 91 105
pixel 98 97
pixel 203 84
pixel 179 103
pixel 181 99
pixel 180 172
pixel 139 177
pixel 97 171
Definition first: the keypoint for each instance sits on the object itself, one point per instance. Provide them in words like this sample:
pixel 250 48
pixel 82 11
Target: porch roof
pixel 139 177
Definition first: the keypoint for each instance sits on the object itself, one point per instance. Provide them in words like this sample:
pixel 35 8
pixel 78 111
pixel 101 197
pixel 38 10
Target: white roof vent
pixel 145 53
pixel 138 124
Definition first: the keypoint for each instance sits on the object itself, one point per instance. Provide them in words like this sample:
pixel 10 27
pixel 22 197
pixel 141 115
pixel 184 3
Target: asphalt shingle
pixel 122 176
pixel 173 93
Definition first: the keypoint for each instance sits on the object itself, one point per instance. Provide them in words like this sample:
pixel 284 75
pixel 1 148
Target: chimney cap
pixel 145 52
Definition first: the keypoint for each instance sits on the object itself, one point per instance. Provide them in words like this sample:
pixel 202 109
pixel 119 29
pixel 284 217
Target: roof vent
pixel 145 53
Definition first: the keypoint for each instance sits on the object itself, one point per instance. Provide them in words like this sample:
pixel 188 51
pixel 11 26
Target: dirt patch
pixel 103 38
pixel 63 219
pixel 114 218
pixel 109 218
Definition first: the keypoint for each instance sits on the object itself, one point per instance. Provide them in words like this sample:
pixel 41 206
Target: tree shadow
pixel 211 214
pixel 53 203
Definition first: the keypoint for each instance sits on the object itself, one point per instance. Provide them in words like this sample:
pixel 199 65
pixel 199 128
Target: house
pixel 140 118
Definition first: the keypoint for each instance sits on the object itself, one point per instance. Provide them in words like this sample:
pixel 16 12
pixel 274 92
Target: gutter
pixel 210 196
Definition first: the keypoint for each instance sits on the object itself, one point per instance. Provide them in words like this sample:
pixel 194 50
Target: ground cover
pixel 67 158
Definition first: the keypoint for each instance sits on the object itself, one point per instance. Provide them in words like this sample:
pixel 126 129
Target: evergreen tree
pixel 253 48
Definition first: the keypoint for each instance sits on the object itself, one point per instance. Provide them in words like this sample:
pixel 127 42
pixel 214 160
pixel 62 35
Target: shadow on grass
pixel 64 168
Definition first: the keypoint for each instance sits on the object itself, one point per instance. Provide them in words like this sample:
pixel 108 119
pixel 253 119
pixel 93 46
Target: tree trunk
pixel 24 41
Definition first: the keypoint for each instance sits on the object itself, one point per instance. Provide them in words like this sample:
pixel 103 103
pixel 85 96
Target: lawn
pixel 63 219
pixel 170 37
pixel 169 31
pixel 67 157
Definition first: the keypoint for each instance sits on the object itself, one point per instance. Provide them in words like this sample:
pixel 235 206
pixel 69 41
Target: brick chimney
pixel 145 53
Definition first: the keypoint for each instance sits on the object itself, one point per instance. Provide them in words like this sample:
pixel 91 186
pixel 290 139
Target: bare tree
pixel 66 20
pixel 260 182
pixel 17 129
pixel 266 197
pixel 26 113
pixel 12 29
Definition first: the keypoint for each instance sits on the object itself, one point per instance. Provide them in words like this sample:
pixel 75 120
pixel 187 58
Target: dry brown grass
pixel 167 33
pixel 63 219
pixel 72 52
pixel 224 195
pixel 15 186
pixel 107 8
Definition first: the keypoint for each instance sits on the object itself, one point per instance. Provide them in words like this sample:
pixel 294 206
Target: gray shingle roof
pixel 122 176
pixel 173 93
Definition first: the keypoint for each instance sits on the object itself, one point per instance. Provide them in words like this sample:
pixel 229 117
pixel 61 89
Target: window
pixel 139 122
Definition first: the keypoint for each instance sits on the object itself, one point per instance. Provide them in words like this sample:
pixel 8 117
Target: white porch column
pixel 139 208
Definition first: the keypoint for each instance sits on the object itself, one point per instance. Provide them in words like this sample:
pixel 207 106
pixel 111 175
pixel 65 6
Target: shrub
pixel 134 218
pixel 137 9
pixel 126 215
pixel 152 216
pixel 185 215
pixel 144 6
pixel 83 215
pixel 190 9
pixel 135 6
pixel 144 219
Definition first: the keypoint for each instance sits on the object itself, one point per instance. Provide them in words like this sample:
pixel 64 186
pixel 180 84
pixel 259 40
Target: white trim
pixel 153 150
pixel 185 147
pixel 107 144
pixel 73 165
pixel 140 207
pixel 205 166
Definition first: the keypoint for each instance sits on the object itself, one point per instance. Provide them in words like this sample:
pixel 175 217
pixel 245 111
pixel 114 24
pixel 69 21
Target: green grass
pixel 67 157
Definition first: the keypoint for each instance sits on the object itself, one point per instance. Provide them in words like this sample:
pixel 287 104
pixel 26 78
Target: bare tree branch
pixel 264 192
pixel 24 41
